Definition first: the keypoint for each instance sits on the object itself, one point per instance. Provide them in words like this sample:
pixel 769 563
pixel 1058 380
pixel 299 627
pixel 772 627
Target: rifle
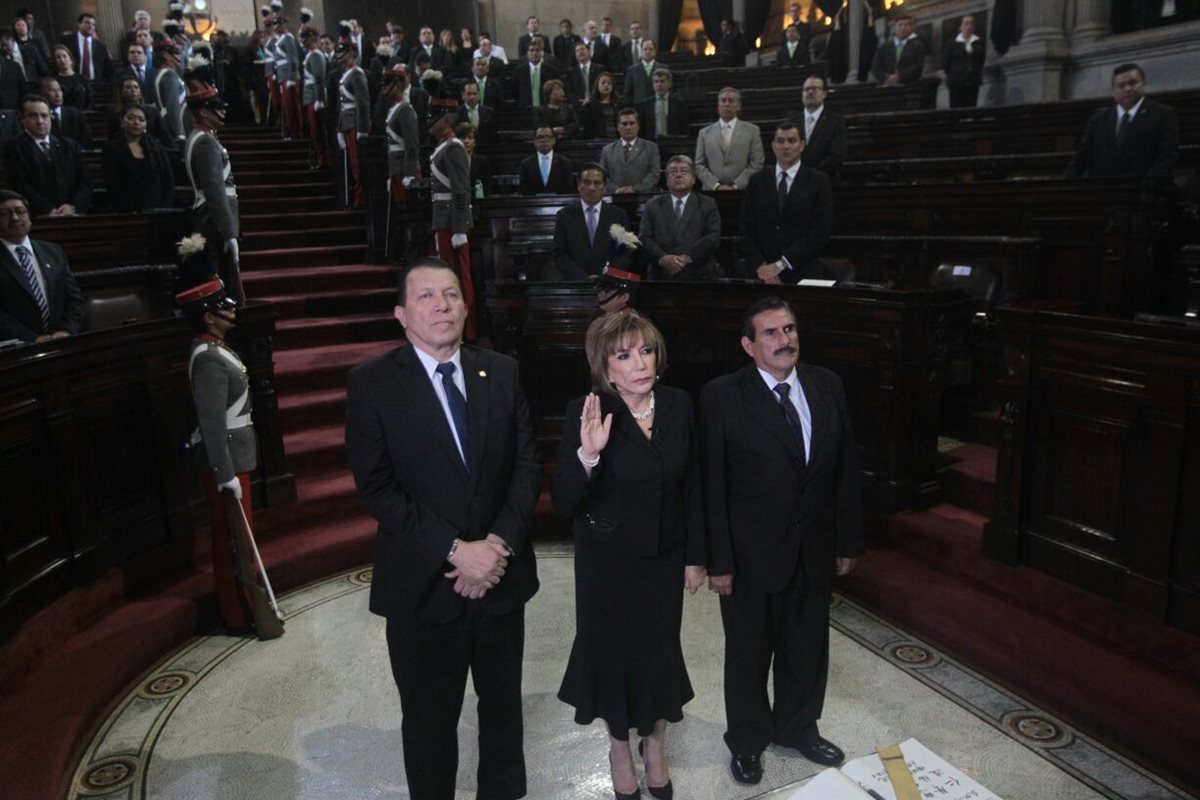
pixel 268 622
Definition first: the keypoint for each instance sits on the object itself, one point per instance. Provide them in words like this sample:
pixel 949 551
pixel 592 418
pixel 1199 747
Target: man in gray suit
pixel 729 150
pixel 632 164
pixel 681 229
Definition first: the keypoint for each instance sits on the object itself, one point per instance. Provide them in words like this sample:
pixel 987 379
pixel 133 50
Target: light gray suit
pixel 696 234
pixel 743 159
pixel 315 69
pixel 218 382
pixel 640 170
pixel 287 59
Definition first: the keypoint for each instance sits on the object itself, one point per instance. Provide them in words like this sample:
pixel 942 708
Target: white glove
pixel 341 141
pixel 458 240
pixel 318 105
pixel 234 486
pixel 231 247
pixel 362 137
pixel 290 85
pixel 407 182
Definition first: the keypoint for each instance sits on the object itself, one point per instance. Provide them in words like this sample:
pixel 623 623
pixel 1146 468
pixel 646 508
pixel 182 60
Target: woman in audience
pixel 453 51
pixel 481 166
pixel 628 476
pixel 77 93
pixel 137 169
pixel 467 47
pixel 555 112
pixel 600 111
pixel 33 60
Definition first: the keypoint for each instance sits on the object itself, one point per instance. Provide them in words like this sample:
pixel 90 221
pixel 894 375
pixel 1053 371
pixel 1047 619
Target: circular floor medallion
pixel 108 775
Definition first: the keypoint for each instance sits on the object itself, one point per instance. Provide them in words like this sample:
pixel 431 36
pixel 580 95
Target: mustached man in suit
pixel 581 230
pixel 545 172
pixel 47 170
pixel 729 150
pixel 440 443
pixel 824 130
pixel 39 297
pixel 787 213
pixel 785 513
pixel 631 163
pixel 681 230
pixel 1135 137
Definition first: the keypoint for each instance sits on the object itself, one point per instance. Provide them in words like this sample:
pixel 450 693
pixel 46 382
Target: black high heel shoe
pixel 665 792
pixel 635 795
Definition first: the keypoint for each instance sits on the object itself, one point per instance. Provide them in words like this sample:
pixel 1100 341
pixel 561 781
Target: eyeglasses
pixel 15 213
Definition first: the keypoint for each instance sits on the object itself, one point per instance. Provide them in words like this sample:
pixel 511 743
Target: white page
pixel 935 777
pixel 830 785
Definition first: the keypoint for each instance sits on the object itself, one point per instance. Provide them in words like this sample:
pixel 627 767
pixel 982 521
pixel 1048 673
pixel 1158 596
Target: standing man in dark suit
pixel 440 443
pixel 663 114
pixel 595 45
pixel 564 45
pixel 784 514
pixel 581 78
pixel 963 65
pixel 733 47
pixel 439 59
pixel 532 27
pixel 69 123
pixel 581 234
pixel 46 169
pixel 616 49
pixel 11 79
pixel 480 116
pixel 39 297
pixel 136 67
pixel 491 89
pixel 824 130
pixel 794 51
pixel 787 213
pixel 681 229
pixel 900 60
pixel 532 73
pixel 545 172
pixel 639 76
pixel 631 51
pixel 90 53
pixel 1136 137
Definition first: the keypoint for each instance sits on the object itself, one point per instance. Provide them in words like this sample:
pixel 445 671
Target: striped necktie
pixel 35 287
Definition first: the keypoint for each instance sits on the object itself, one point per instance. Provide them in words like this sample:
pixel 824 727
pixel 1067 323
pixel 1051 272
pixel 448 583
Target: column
pixel 110 26
pixel 1033 69
pixel 1093 19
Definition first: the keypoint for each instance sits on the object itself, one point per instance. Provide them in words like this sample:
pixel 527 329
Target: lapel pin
pixel 483 373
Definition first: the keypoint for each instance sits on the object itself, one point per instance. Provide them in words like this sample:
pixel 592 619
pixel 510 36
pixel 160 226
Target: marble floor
pixel 314 715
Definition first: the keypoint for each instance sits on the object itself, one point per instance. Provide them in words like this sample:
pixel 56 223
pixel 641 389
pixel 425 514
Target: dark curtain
pixel 669 12
pixel 868 42
pixel 839 47
pixel 711 14
pixel 1004 25
pixel 829 7
pixel 756 19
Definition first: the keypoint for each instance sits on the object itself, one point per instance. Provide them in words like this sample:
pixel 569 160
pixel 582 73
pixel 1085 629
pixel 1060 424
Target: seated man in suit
pixel 639 77
pixel 491 90
pixel 824 130
pixel 663 114
pixel 69 123
pixel 1134 137
pixel 532 74
pixel 480 116
pixel 46 169
pixel 39 297
pixel 901 59
pixel 581 230
pixel 545 172
pixel 787 213
pixel 581 78
pixel 632 164
pixel 681 229
pixel 794 51
pixel 729 150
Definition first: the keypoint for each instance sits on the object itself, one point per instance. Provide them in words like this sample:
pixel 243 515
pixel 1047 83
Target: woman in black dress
pixel 628 476
pixel 137 169
pixel 77 93
pixel 33 60
pixel 600 111
pixel 555 112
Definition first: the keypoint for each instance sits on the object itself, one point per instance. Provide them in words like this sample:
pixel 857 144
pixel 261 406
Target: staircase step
pixel 265 191
pixel 316 451
pixel 292 203
pixel 306 409
pixel 970 481
pixel 277 175
pixel 321 499
pixel 289 257
pixel 255 223
pixel 314 368
pixel 333 303
pixel 345 329
pixel 303 281
pixel 262 144
pixel 985 427
pixel 309 237
pixel 257 158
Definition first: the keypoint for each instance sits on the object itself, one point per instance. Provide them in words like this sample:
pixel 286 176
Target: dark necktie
pixel 678 209
pixel 591 224
pixel 458 410
pixel 45 147
pixel 783 191
pixel 1123 128
pixel 39 296
pixel 791 415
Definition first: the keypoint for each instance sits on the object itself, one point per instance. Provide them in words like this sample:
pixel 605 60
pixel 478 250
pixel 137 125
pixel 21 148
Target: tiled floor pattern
pixel 315 716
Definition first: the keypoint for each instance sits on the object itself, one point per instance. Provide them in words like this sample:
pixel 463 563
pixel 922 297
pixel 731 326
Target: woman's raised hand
pixel 593 432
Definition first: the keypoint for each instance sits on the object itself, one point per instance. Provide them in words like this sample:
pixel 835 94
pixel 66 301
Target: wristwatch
pixel 453 549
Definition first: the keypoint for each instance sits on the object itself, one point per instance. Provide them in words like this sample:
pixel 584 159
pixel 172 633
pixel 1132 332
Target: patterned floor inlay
pixel 314 715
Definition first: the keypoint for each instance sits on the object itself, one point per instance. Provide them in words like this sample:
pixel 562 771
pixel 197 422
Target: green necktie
pixel 537 86
pixel 647 67
pixel 899 50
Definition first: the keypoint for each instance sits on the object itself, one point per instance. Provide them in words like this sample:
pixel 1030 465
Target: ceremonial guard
pixel 306 25
pixel 354 118
pixel 287 76
pixel 404 144
pixel 225 452
pixel 315 64
pixel 175 30
pixel 270 39
pixel 450 188
pixel 215 208
pixel 170 92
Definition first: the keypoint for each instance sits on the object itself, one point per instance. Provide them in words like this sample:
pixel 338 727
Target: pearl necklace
pixel 642 416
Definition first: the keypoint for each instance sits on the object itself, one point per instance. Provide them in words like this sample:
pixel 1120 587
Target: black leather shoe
pixel 822 751
pixel 746 769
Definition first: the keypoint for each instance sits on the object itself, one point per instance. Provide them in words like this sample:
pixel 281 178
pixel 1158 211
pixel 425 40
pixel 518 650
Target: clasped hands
pixel 478 566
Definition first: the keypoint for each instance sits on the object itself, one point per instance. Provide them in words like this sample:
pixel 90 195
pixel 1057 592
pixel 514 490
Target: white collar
pixel 731 124
pixel 431 364
pixel 816 115
pixel 960 38
pixel 791 172
pixel 26 243
pixel 599 208
pixel 791 380
pixel 1133 112
pixel 548 156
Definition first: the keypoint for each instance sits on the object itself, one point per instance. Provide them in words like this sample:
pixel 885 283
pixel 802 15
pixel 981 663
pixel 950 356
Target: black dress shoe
pixel 666 792
pixel 822 751
pixel 746 769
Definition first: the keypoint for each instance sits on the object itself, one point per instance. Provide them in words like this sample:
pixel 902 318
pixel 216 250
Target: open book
pixel 934 776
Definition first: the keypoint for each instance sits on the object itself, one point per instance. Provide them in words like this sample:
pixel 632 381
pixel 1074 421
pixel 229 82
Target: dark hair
pixel 33 98
pixel 424 262
pixel 824 81
pixel 45 79
pixel 790 125
pixel 595 95
pixel 84 16
pixel 9 194
pixel 626 111
pixel 566 21
pixel 1129 68
pixel 464 129
pixel 588 167
pixel 768 303
pixel 138 45
pixel 906 16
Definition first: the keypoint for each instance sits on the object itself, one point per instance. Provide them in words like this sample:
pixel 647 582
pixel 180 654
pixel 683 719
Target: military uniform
pixel 315 69
pixel 354 117
pixel 215 209
pixel 287 71
pixel 170 92
pixel 451 194
pixel 404 147
pixel 273 99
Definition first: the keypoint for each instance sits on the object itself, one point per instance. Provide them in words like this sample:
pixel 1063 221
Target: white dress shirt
pixel 431 364
pixel 798 399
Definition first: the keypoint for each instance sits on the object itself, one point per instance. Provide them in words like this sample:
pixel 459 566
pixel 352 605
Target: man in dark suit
pixel 69 123
pixel 90 53
pixel 631 50
pixel 141 22
pixel 639 77
pixel 824 130
pixel 135 67
pixel 581 234
pixel 681 230
pixel 787 213
pixel 733 47
pixel 785 513
pixel 963 64
pixel 794 51
pixel 1136 137
pixel 545 172
pixel 616 48
pixel 480 116
pixel 581 78
pixel 439 440
pixel 596 47
pixel 564 45
pixel 46 169
pixel 39 297
pixel 439 59
pixel 900 60
pixel 532 27
pixel 665 108
pixel 11 79
pixel 531 75
pixel 491 88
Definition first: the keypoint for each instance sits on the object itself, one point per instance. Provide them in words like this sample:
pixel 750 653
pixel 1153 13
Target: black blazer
pixel 485 132
pixel 524 82
pixel 963 69
pixel 411 478
pixel 154 124
pixel 138 184
pixel 677 117
pixel 574 257
pixel 19 314
pixel 912 60
pixel 563 49
pixel 825 150
pixel 74 126
pixel 573 81
pixel 99 56
pixel 1150 149
pixel 769 512
pixel 10 84
pixel 799 233
pixel 644 498
pixel 562 176
pixel 47 184
pixel 797 59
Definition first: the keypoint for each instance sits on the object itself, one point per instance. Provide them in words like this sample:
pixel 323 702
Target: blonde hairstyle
pixel 606 334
